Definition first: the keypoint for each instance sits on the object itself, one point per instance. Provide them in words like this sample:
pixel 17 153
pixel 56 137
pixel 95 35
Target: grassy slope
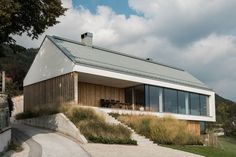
pixel 228 145
pixel 91 124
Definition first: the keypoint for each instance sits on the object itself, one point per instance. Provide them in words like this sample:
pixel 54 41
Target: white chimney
pixel 87 39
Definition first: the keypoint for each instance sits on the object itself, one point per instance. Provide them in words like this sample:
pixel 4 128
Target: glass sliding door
pixel 194 104
pixel 203 104
pixel 139 97
pixel 170 100
pixel 161 99
pixel 182 102
pixel 152 98
pixel 128 95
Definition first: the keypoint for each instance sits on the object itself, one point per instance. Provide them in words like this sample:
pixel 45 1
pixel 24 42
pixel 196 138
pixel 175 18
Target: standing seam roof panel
pixel 116 61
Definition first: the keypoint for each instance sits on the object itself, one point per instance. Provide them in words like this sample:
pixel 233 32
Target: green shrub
pixel 166 130
pixel 15 146
pixel 230 127
pixel 26 115
pixel 106 140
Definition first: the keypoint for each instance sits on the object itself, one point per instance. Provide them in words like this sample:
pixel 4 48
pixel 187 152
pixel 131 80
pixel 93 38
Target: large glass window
pixel 203 103
pixel 170 100
pixel 152 98
pixel 139 97
pixel 182 98
pixel 128 95
pixel 160 99
pixel 194 104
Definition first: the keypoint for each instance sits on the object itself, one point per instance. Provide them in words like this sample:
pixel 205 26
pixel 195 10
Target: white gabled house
pixel 67 71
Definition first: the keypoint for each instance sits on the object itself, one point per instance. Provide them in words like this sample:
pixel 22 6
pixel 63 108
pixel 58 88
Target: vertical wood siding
pixel 194 127
pixel 90 94
pixel 50 92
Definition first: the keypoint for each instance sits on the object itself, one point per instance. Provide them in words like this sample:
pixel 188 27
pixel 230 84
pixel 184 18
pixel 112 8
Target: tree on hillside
pixel 30 16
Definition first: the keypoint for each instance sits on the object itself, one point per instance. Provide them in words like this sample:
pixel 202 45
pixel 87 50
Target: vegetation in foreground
pixel 226 148
pixel 166 130
pixel 15 146
pixel 92 125
pixel 37 113
pixel 95 129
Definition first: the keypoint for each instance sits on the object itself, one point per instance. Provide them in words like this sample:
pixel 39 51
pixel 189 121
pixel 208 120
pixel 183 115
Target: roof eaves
pixel 143 75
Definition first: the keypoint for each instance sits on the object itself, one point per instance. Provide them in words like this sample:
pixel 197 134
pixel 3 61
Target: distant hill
pixel 15 60
pixel 225 109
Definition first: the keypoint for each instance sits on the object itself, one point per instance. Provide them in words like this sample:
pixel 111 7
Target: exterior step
pixel 141 140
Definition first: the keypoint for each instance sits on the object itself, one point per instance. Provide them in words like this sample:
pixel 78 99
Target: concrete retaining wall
pixel 58 122
pixel 5 138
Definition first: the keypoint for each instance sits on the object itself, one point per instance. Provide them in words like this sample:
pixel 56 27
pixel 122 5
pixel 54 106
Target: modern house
pixel 67 71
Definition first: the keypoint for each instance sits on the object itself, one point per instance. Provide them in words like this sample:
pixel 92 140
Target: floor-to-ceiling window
pixel 128 95
pixel 182 102
pixel 194 104
pixel 160 99
pixel 139 96
pixel 152 98
pixel 170 100
pixel 203 104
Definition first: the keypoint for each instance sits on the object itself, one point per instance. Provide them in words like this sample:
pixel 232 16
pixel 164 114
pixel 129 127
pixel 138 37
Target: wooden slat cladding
pixel 194 127
pixel 50 92
pixel 90 94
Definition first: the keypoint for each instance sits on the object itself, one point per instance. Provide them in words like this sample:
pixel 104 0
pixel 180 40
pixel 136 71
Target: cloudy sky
pixel 198 36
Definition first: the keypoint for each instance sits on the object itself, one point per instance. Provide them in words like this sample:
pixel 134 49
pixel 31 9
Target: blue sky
pixel 118 6
pixel 198 36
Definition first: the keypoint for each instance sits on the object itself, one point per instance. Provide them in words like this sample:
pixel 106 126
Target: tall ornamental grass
pixel 166 130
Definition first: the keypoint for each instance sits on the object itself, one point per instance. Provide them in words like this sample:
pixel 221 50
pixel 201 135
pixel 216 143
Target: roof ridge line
pixel 117 52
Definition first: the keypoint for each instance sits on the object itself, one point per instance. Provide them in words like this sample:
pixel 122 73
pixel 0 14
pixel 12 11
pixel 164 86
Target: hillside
pixel 225 109
pixel 15 60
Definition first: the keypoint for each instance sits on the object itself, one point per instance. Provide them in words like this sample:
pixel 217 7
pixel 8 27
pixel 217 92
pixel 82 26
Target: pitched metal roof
pixel 101 58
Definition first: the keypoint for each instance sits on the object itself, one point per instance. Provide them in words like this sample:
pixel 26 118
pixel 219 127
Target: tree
pixel 230 126
pixel 30 16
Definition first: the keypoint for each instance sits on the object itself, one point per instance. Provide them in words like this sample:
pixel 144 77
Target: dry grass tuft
pixel 166 130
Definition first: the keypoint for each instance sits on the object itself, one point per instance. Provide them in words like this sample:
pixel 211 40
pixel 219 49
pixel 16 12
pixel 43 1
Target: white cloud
pixel 195 35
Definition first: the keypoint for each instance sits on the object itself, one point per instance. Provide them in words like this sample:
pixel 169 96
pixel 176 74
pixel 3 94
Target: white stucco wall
pixel 5 138
pixel 48 63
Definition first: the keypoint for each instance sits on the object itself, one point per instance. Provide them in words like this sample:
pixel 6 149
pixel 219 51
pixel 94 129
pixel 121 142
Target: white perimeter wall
pixel 5 138
pixel 211 94
pixel 48 63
